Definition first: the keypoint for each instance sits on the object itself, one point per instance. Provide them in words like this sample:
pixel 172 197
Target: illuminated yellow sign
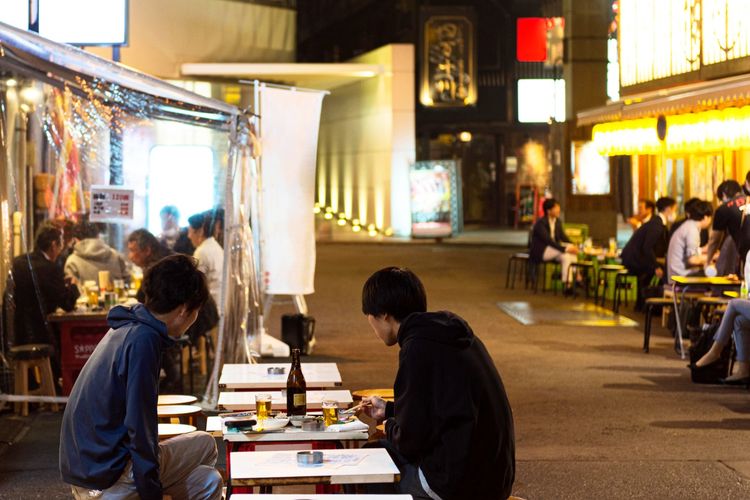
pixel 726 30
pixel 658 39
pixel 448 67
pixel 708 131
pixel 664 38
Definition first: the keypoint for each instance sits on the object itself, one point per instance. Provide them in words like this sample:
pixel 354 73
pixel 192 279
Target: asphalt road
pixel 595 417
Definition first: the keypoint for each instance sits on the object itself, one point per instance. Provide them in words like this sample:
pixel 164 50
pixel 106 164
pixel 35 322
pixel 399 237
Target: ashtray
pixel 276 370
pixel 313 425
pixel 309 458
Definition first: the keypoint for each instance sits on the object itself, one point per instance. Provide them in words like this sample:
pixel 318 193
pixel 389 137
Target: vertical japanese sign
pixel 435 198
pixel 111 204
pixel 448 69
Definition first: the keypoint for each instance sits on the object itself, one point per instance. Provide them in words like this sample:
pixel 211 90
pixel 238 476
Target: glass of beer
pixel 93 293
pixel 330 412
pixel 262 406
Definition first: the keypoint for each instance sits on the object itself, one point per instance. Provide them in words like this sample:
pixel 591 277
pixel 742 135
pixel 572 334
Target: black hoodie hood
pixel 442 327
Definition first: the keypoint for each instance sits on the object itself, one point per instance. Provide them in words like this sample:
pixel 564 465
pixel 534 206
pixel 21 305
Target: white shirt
pixel 210 257
pixel 552 223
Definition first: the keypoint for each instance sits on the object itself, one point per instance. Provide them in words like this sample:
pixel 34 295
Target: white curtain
pixel 290 121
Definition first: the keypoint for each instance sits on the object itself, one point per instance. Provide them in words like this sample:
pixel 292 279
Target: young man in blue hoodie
pixel 109 443
pixel 450 427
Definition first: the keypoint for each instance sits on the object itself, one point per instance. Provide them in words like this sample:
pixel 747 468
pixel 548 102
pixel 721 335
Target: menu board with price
pixel 111 204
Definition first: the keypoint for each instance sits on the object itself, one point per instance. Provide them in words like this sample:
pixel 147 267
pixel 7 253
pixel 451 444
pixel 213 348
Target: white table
pixel 272 468
pixel 255 376
pixel 291 433
pixel 245 400
pixel 306 496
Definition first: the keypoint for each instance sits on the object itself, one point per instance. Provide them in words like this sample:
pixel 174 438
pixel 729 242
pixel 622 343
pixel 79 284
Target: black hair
pixel 144 239
pixel 170 210
pixel 200 221
pixel 174 281
pixel 549 204
pixel 689 206
pixel 395 291
pixel 648 204
pixel 664 203
pixel 699 210
pixel 728 188
pixel 47 234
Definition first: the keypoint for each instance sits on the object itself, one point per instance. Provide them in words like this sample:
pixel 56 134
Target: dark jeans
pixel 409 483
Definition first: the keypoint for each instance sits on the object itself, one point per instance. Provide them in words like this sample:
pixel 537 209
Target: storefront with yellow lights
pixel 684 116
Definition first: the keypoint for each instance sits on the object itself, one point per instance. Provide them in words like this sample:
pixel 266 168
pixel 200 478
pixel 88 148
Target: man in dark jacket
pixel 39 288
pixel 648 243
pixel 549 242
pixel 450 427
pixel 109 439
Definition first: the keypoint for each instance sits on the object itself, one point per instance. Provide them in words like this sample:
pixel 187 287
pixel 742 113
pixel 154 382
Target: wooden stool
pixel 167 431
pixel 517 261
pixel 179 414
pixel 386 394
pixel 175 399
pixel 29 356
pixel 652 304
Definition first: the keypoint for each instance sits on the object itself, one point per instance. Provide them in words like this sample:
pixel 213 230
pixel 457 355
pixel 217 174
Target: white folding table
pixel 277 468
pixel 256 376
pixel 245 400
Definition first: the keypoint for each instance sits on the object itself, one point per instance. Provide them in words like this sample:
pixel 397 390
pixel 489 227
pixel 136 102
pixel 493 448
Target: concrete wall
pixel 166 33
pixel 367 142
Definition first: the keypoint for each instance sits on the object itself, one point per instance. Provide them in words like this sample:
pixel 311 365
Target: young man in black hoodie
pixel 109 444
pixel 450 427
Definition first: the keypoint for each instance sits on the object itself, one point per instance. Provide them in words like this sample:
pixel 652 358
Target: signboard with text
pixel 111 204
pixel 435 199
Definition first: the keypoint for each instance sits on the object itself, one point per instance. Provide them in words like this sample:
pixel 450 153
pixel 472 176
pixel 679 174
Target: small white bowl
pixel 271 424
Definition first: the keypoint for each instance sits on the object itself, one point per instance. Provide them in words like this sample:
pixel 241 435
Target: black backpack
pixel 701 341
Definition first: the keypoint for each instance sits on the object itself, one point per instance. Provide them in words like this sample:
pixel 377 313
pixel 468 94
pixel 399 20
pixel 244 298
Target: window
pixel 182 176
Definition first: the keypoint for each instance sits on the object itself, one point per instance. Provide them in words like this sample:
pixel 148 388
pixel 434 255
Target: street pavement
pixel 595 417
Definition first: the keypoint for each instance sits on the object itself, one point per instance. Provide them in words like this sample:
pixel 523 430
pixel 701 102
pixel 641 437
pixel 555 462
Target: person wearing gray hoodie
pixel 91 255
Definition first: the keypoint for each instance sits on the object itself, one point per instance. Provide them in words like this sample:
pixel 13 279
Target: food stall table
pixel 278 468
pixel 258 376
pixel 307 496
pixel 235 401
pixel 80 332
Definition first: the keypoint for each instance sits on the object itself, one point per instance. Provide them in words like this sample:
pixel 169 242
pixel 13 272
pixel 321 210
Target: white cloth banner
pixel 289 134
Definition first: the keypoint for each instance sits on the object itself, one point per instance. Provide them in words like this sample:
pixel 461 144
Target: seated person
pixel 170 226
pixel 684 255
pixel 688 209
pixel 727 222
pixel 648 243
pixel 39 288
pixel 549 242
pixel 736 321
pixel 144 250
pixel 645 212
pixel 450 427
pixel 208 253
pixel 91 255
pixel 109 441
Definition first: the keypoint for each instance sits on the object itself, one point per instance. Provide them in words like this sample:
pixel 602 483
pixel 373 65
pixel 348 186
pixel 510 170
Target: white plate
pixel 271 424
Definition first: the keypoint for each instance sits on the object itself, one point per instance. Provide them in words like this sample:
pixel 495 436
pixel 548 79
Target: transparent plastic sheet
pixel 240 325
pixel 97 128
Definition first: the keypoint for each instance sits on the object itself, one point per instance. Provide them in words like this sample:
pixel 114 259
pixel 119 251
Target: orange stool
pixel 175 399
pixel 167 431
pixel 179 414
pixel 386 394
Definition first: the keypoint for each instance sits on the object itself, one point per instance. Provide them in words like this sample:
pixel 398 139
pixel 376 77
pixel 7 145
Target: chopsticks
pixel 355 408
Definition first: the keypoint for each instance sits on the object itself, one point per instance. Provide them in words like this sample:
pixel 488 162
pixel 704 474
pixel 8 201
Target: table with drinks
pixel 82 329
pixel 263 428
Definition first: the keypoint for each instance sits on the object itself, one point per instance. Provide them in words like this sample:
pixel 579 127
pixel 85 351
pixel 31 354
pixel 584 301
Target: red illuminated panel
pixel 531 39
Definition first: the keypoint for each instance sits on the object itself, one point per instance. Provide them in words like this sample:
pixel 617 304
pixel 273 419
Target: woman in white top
pixel 208 252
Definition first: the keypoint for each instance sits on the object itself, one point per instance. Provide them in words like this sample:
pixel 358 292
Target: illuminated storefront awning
pixel 697 97
pixel 707 131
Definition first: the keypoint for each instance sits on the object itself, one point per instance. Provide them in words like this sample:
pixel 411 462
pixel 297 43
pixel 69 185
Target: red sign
pixel 531 39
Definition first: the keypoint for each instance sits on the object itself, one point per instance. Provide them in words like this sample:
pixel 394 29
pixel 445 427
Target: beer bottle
pixel 296 389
